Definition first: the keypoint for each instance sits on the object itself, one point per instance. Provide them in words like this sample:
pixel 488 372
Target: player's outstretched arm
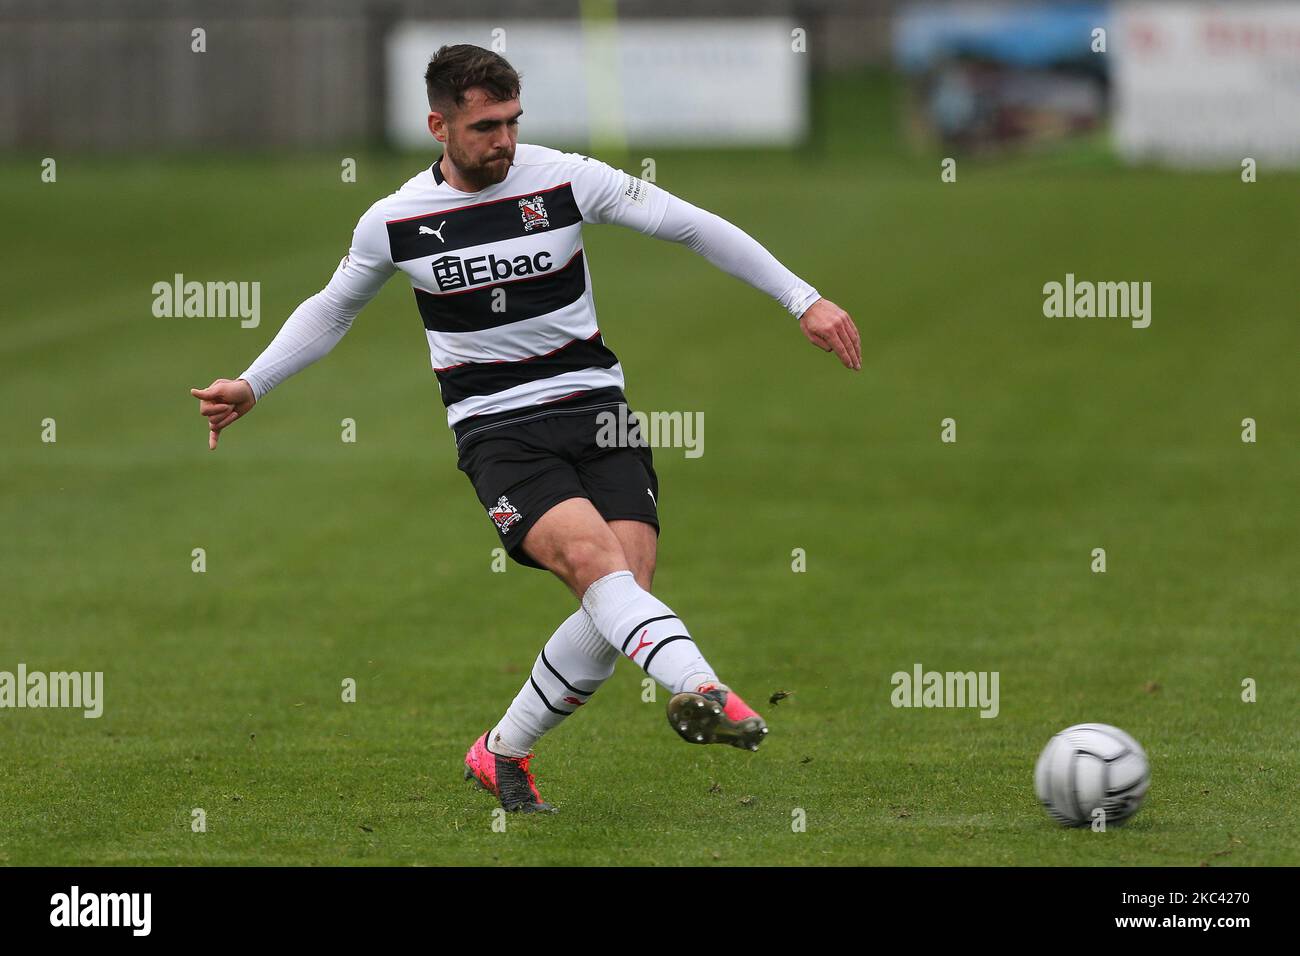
pixel 309 334
pixel 609 195
pixel 736 252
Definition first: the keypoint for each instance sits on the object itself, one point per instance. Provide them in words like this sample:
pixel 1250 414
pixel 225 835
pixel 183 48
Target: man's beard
pixel 488 174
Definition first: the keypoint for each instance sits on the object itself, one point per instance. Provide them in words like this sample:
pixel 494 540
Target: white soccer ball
pixel 1091 766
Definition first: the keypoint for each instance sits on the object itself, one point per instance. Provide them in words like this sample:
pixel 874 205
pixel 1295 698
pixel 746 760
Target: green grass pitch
pixel 372 560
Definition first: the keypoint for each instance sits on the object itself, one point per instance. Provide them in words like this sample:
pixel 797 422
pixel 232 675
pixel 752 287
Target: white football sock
pixel 572 665
pixel 646 631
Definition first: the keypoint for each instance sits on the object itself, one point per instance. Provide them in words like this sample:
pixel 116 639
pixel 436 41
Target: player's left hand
pixel 829 327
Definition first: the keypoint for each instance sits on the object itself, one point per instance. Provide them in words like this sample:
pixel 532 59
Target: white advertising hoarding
pixel 1207 84
pixel 651 82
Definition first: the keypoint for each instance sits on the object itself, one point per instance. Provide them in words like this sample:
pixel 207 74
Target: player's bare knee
pixel 586 559
pixel 644 572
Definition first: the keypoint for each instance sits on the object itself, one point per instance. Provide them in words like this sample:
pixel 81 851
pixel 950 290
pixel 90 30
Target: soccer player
pixel 490 237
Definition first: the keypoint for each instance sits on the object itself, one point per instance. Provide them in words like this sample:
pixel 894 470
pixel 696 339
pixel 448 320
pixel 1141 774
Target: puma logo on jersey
pixel 426 231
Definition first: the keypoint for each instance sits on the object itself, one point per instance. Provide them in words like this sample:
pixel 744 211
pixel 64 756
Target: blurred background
pixel 1178 81
pixel 929 167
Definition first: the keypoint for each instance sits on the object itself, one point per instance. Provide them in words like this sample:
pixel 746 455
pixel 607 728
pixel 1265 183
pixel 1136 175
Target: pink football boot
pixel 714 714
pixel 507 778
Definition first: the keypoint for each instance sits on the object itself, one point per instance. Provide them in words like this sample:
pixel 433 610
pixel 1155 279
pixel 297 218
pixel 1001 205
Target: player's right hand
pixel 223 402
pixel 830 328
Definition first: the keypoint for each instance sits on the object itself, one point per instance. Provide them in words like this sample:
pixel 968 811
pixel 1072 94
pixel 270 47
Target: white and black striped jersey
pixel 502 285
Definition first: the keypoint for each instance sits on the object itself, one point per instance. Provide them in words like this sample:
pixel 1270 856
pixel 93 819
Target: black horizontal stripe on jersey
pixel 496 220
pixel 471 310
pixel 486 378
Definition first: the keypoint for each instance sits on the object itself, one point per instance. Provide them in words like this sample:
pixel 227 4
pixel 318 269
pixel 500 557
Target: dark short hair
pixel 455 69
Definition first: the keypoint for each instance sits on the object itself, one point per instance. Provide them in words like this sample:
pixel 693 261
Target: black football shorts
pixel 522 469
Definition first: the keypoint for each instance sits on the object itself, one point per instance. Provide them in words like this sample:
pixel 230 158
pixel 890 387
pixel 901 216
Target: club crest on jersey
pixel 504 514
pixel 534 213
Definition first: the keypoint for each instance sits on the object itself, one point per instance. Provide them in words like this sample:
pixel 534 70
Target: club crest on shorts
pixel 504 514
pixel 534 213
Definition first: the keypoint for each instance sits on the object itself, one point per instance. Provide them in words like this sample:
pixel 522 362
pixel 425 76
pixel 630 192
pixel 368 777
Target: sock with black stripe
pixel 646 631
pixel 572 665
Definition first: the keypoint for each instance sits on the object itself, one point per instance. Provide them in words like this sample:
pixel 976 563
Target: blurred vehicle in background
pixel 997 75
